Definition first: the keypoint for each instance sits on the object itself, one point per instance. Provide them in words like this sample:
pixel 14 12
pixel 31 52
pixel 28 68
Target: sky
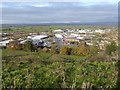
pixel 59 12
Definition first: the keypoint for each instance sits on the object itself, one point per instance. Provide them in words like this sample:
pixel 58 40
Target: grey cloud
pixel 58 12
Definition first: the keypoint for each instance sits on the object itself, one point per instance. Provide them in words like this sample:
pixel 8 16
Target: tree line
pixel 82 49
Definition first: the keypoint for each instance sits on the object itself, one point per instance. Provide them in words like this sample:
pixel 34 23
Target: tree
pixel 111 48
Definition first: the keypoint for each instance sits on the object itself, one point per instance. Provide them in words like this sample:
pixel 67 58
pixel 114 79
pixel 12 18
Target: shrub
pixel 14 45
pixel 111 48
pixel 82 50
pixel 93 50
pixel 45 49
pixel 65 50
pixel 28 46
pixel 74 50
pixel 54 49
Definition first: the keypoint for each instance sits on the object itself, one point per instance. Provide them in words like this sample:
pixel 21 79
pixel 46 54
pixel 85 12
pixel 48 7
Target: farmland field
pixel 41 28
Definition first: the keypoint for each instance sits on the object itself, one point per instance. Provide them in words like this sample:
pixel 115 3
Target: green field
pixel 22 69
pixel 43 28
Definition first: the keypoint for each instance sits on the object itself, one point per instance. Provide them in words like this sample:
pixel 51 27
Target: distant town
pixel 63 37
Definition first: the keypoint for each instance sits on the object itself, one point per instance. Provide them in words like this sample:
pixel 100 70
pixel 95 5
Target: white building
pixel 59 35
pixel 37 37
pixel 4 43
pixel 57 31
pixel 80 38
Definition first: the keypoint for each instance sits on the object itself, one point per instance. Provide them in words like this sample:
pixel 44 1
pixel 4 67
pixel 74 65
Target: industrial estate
pixel 62 37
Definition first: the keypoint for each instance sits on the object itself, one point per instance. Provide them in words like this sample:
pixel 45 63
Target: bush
pixel 14 45
pixel 111 48
pixel 65 50
pixel 54 49
pixel 28 46
pixel 45 49
pixel 82 51
pixel 93 50
pixel 74 50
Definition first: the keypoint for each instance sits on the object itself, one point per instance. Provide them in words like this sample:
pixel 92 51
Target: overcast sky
pixel 58 12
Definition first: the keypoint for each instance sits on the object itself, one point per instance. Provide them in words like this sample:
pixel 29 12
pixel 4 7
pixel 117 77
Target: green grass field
pixel 43 28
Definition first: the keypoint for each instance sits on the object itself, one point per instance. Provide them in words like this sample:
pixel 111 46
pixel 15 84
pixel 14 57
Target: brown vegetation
pixel 14 45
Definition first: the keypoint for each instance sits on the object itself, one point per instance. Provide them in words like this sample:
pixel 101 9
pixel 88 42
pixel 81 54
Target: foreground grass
pixel 42 70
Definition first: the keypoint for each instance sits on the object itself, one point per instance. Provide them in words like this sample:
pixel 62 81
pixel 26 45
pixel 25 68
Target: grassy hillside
pixel 42 70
